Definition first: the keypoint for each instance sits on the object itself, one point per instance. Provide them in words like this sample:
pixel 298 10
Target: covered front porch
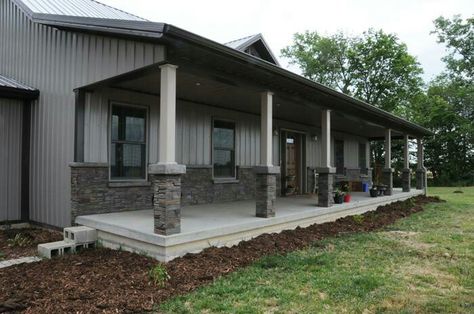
pixel 223 224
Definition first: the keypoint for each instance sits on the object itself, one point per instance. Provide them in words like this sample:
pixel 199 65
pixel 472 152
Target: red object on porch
pixel 347 198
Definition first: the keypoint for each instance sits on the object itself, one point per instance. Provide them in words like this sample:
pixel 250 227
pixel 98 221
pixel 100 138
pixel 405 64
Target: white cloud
pixel 411 20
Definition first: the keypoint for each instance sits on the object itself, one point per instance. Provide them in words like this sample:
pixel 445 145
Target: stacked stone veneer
pixel 167 203
pixel 406 180
pixel 92 193
pixel 199 187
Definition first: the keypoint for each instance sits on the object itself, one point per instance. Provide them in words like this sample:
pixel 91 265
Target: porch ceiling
pixel 224 91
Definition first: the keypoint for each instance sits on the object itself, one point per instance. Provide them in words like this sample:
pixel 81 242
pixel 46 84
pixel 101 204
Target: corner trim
pixel 25 161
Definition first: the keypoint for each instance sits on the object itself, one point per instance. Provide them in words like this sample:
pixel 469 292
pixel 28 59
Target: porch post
pixel 388 170
pixel 406 176
pixel 421 170
pixel 166 174
pixel 266 173
pixel 326 172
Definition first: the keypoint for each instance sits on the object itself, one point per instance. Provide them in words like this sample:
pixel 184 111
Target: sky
pixel 223 21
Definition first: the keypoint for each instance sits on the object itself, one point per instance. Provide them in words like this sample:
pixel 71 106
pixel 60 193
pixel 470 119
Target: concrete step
pixel 80 234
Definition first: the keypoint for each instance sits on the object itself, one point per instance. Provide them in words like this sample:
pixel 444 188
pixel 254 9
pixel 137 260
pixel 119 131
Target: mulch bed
pixel 109 281
pixel 30 238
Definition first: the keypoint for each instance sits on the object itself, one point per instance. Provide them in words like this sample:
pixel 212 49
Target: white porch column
pixel 326 138
pixel 166 174
pixel 266 173
pixel 325 172
pixel 167 115
pixel 266 139
pixel 420 171
pixel 387 177
pixel 388 148
pixel 406 175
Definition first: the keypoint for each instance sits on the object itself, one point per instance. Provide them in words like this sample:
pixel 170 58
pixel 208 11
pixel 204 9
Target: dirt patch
pixel 15 243
pixel 113 281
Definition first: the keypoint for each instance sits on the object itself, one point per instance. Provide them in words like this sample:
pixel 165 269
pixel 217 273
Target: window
pixel 128 143
pixel 339 156
pixel 362 156
pixel 223 137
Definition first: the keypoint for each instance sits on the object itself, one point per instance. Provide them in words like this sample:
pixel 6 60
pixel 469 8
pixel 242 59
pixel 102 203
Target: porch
pixel 223 224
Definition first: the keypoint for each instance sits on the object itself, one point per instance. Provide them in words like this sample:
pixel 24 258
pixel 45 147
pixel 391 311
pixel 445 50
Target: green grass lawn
pixel 424 263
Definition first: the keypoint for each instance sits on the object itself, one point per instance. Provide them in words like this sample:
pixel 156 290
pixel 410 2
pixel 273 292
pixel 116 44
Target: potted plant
pixel 338 196
pixel 346 189
pixel 373 191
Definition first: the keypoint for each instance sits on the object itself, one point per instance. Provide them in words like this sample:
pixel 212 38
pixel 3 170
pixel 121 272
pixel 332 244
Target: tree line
pixel 377 68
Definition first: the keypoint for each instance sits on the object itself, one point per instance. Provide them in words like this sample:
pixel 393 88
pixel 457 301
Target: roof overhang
pixel 10 88
pixel 185 45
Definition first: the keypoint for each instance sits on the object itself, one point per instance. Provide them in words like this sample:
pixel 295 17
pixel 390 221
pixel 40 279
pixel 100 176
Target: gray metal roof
pixel 11 83
pixel 134 27
pixel 11 88
pixel 241 42
pixel 79 8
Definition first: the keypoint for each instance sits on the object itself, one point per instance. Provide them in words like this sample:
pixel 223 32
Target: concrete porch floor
pixel 222 224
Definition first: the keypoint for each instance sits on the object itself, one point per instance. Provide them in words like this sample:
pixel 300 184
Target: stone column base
pixel 265 190
pixel 406 180
pixel 387 179
pixel 420 179
pixel 166 181
pixel 325 186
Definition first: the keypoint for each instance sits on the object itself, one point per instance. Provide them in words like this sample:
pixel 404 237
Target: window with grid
pixel 128 143
pixel 223 141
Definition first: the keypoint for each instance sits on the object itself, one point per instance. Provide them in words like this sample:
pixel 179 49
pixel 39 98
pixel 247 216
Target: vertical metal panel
pixel 10 159
pixel 56 62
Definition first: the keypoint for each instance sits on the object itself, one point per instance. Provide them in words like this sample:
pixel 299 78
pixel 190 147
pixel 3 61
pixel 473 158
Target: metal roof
pixel 13 89
pixel 131 26
pixel 78 8
pixel 238 43
pixel 11 83
pixel 243 43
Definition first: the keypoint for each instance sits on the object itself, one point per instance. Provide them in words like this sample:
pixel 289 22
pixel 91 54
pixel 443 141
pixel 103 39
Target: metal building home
pixel 167 142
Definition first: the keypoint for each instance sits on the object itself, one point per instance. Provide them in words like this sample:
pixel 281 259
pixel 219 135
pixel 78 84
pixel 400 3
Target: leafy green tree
pixel 458 37
pixel 447 110
pixel 374 67
pixel 448 106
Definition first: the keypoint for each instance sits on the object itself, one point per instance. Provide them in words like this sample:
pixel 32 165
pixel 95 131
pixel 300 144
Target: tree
pixel 449 153
pixel 447 108
pixel 458 36
pixel 375 67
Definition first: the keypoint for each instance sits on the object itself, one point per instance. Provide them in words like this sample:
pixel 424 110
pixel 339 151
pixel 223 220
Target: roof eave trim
pixel 17 93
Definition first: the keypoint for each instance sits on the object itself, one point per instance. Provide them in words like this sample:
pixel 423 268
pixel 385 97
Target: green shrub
pixel 159 275
pixel 20 240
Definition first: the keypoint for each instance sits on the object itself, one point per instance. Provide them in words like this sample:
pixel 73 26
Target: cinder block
pixel 58 248
pixel 80 234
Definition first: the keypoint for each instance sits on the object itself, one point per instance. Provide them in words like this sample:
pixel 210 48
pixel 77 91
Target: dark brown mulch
pixel 113 281
pixel 31 236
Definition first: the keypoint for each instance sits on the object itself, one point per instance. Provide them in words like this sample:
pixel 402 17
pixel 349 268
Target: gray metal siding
pixel 10 159
pixel 56 62
pixel 194 132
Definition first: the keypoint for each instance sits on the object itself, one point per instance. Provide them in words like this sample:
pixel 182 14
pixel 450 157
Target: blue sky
pixel 277 20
